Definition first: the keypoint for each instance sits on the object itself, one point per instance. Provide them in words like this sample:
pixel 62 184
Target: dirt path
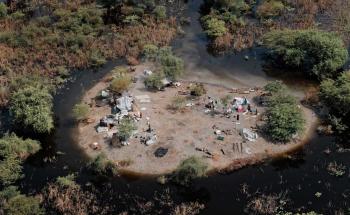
pixel 183 132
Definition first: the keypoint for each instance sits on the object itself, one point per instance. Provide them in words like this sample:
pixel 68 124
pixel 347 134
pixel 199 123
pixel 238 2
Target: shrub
pixel 188 170
pixel 67 181
pixel 154 81
pixel 10 170
pixel 3 10
pixel 172 66
pixel 102 166
pixel 97 59
pixel 319 53
pixel 32 108
pixel 125 129
pixel 335 95
pixel 235 6
pixel 150 51
pixel 284 118
pixel 177 103
pixel 13 150
pixel 214 27
pixel 120 84
pixel 275 87
pixel 160 12
pixel 12 202
pixel 81 111
pixel 13 145
pixel 270 8
pixel 198 89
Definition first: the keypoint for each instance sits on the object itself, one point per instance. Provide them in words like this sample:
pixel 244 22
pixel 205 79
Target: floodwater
pixel 300 176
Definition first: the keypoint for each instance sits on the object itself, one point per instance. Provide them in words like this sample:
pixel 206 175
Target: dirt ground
pixel 181 132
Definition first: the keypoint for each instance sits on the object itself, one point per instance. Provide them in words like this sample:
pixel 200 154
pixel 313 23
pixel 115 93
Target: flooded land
pixel 174 107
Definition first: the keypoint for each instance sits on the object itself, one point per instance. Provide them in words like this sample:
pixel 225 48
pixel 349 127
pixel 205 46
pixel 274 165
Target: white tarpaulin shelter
pixel 249 135
pixel 125 103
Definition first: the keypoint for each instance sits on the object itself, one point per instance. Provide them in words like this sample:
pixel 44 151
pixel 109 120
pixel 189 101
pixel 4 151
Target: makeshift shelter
pixel 249 135
pixel 124 103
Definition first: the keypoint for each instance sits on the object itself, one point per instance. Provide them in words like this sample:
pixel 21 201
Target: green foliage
pixel 13 145
pixel 154 81
pixel 172 66
pixel 270 8
pixel 120 83
pixel 150 51
pixel 102 166
pixel 81 111
pixel 319 53
pixel 160 12
pixel 284 118
pixel 125 129
pixel 190 169
pixel 214 27
pixel 67 181
pixel 335 95
pixel 97 59
pixel 32 107
pixel 10 169
pixel 131 20
pixel 235 6
pixel 198 89
pixel 13 150
pixel 23 205
pixel 275 87
pixel 3 10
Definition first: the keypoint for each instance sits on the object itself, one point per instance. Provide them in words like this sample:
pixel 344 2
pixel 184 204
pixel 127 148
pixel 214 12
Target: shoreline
pixel 228 165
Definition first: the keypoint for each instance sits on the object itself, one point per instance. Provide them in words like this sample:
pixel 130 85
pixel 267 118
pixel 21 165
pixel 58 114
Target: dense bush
pixel 198 89
pixel 318 53
pixel 160 12
pixel 172 66
pixel 32 108
pixel 284 118
pixel 120 84
pixel 81 111
pixel 125 129
pixel 3 10
pixel 154 81
pixel 14 203
pixel 100 165
pixel 188 170
pixel 13 150
pixel 214 27
pixel 177 103
pixel 335 95
pixel 275 87
pixel 270 8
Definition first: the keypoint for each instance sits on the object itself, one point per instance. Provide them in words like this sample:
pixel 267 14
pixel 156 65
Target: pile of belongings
pixel 239 102
pixel 107 122
pixel 249 135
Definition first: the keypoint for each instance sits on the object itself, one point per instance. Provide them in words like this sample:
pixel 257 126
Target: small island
pixel 150 130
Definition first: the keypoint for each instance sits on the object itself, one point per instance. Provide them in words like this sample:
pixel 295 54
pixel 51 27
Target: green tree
pixel 120 84
pixel 125 129
pixel 3 10
pixel 160 12
pixel 154 81
pixel 214 27
pixel 318 53
pixel 32 107
pixel 81 111
pixel 275 87
pixel 12 202
pixel 13 151
pixel 335 95
pixel 189 169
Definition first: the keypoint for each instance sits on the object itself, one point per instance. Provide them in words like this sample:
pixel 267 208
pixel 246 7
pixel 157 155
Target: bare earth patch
pixel 185 131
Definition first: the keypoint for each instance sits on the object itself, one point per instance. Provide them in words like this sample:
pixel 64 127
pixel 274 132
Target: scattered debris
pixel 249 135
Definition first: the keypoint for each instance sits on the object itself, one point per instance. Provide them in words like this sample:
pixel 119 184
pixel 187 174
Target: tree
pixel 32 107
pixel 275 87
pixel 335 95
pixel 3 10
pixel 160 12
pixel 125 129
pixel 318 53
pixel 214 27
pixel 154 81
pixel 13 151
pixel 120 83
pixel 172 66
pixel 81 111
pixel 12 202
pixel 189 169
